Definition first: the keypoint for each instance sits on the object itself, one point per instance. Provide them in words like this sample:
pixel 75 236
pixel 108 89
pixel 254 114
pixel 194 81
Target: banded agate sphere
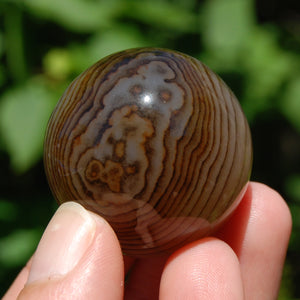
pixel 153 141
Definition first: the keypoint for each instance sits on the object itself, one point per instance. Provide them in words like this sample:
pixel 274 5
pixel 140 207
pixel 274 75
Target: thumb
pixel 78 257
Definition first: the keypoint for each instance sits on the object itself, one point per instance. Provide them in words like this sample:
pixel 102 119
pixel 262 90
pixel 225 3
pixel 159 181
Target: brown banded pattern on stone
pixel 153 141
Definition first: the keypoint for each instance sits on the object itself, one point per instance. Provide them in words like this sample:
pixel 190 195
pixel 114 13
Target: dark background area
pixel 253 46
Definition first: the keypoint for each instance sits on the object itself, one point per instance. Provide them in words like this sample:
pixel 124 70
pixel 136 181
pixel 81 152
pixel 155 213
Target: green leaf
pixel 2 75
pixel 17 247
pixel 2 47
pixel 105 43
pixel 267 67
pixel 226 26
pixel 57 63
pixel 295 237
pixel 24 113
pixel 286 286
pixel 290 104
pixel 8 210
pixel 292 187
pixel 77 15
pixel 161 14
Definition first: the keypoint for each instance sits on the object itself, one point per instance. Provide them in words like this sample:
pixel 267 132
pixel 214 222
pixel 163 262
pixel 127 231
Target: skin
pixel 243 260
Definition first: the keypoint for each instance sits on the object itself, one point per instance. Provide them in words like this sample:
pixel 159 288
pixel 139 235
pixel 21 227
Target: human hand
pixel 79 257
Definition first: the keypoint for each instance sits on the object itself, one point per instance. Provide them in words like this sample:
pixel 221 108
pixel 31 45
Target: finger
pixel 78 257
pixel 18 283
pixel 259 233
pixel 205 269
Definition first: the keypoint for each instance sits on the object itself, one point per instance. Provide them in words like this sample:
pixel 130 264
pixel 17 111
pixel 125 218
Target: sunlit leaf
pixel 162 14
pixel 77 15
pixel 226 26
pixel 266 69
pixel 17 247
pixel 57 63
pixel 24 113
pixel 105 43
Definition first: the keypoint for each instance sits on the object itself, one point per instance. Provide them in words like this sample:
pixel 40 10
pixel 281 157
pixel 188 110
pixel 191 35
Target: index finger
pixel 259 232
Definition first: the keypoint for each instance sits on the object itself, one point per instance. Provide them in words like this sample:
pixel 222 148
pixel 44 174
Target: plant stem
pixel 14 43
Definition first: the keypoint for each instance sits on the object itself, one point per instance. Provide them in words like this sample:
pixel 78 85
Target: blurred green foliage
pixel 45 44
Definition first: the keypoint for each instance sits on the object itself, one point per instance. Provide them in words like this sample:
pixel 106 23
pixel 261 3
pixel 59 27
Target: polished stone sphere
pixel 153 141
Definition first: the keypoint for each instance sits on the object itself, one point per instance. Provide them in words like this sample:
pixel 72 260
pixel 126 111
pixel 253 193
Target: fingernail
pixel 64 242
